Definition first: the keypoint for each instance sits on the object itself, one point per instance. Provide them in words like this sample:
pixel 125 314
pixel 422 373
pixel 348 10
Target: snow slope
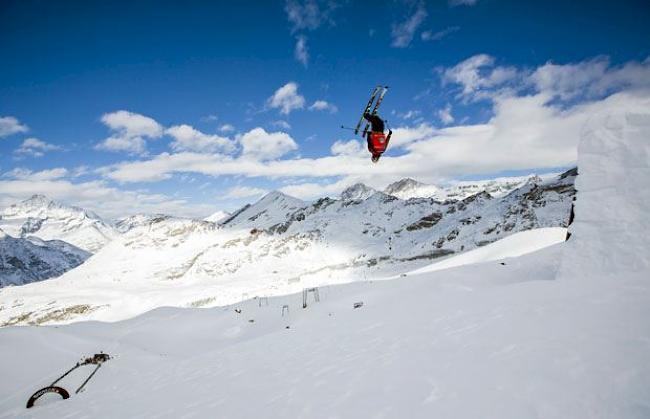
pixel 487 341
pixel 477 341
pixel 512 246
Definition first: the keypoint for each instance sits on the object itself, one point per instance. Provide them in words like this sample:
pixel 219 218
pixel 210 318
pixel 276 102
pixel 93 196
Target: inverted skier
pixel 377 140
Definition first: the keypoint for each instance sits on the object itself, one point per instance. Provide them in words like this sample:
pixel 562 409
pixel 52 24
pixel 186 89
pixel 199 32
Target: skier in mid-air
pixel 377 140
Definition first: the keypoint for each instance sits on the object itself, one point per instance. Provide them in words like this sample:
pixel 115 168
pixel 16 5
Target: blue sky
pixel 190 107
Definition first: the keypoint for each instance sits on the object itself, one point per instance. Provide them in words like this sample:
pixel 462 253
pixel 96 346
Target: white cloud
pixel 260 145
pixel 96 196
pixel 301 52
pixel 454 3
pixel 410 114
pixel 186 138
pixel 445 115
pixel 287 99
pixel 437 36
pixel 311 190
pixel 10 125
pixel 347 148
pixel 239 192
pixel 595 78
pixel 130 131
pixel 591 78
pixel 322 105
pixel 403 33
pixel 281 124
pixel 226 128
pixel 35 147
pixel 20 173
pixel 477 75
pixel 309 14
pixel 527 131
pixel 406 135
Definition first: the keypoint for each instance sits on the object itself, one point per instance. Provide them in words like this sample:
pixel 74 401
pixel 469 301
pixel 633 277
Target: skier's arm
pixel 390 132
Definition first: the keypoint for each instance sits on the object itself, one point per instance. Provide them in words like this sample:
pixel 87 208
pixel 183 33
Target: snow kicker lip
pixel 49 389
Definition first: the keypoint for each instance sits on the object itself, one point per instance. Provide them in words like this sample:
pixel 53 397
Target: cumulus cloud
pixel 239 192
pixel 347 148
pixel 596 78
pixel 591 78
pixel 35 147
pixel 226 128
pixel 260 145
pixel 477 75
pixel 402 33
pixel 527 131
pixel 95 195
pixel 445 115
pixel 287 99
pixel 130 131
pixel 10 125
pixel 311 190
pixel 301 52
pixel 187 138
pixel 21 173
pixel 322 105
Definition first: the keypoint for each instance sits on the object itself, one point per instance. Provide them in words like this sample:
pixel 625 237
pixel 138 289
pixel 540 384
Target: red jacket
pixel 377 142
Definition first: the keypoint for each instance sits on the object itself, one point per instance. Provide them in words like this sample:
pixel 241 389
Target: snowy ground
pixel 486 340
pixel 563 332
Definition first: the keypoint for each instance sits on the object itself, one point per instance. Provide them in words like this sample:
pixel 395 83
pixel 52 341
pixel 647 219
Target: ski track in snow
pixel 486 340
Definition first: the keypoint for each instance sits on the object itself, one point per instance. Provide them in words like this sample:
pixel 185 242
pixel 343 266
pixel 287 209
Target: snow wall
pixel 611 231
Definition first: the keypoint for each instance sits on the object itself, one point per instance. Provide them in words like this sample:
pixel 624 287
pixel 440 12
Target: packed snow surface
pixel 486 340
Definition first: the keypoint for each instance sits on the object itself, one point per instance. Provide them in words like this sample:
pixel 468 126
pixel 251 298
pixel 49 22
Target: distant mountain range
pixel 277 245
pixel 51 220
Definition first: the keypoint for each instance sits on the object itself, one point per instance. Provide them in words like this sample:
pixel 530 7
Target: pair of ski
pixel 378 93
pixel 97 359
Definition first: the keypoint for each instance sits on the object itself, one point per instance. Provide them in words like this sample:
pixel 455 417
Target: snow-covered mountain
pixel 51 220
pixel 409 188
pixel 217 216
pixel 281 244
pixel 357 191
pixel 28 260
pixel 275 207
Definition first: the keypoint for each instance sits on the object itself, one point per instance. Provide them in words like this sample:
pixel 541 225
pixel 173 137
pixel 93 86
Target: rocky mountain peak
pixel 357 191
pixel 402 185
